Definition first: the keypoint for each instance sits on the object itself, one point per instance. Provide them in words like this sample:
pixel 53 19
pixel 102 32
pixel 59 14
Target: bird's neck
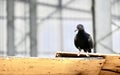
pixel 81 31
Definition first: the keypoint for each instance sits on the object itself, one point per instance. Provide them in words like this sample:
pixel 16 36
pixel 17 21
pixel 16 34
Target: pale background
pixel 43 27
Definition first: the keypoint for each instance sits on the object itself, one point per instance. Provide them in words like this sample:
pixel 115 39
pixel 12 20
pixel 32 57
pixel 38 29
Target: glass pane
pixel 116 25
pixel 3 8
pixel 3 37
pixel 21 9
pixel 22 36
pixel 56 26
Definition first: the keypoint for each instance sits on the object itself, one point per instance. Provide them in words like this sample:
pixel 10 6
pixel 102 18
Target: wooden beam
pixel 111 66
pixel 75 55
pixel 49 66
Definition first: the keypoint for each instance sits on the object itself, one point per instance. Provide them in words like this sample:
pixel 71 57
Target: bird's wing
pixel 75 42
pixel 90 41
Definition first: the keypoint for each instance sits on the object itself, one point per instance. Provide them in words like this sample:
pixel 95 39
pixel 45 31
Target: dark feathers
pixel 83 40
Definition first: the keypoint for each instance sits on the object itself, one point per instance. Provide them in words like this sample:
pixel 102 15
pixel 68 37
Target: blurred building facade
pixel 43 27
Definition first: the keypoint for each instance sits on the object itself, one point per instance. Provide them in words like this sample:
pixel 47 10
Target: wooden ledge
pixel 49 66
pixel 75 55
pixel 108 65
pixel 111 65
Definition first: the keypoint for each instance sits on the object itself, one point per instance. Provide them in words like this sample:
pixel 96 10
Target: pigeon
pixel 83 40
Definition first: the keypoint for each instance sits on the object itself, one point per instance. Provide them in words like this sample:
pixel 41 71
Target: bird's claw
pixel 78 54
pixel 87 55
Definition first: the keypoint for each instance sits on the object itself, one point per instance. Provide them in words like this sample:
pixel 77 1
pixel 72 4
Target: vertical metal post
pixel 33 28
pixel 10 28
pixel 60 27
pixel 94 25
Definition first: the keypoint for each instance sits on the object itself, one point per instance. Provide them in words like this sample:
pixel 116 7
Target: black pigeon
pixel 83 40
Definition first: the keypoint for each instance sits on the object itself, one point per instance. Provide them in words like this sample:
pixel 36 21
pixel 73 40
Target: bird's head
pixel 79 27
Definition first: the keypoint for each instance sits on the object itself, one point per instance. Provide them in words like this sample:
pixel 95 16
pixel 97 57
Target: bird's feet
pixel 87 54
pixel 78 54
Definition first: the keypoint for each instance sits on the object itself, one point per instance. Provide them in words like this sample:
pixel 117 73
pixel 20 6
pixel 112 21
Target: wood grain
pixel 49 66
pixel 65 63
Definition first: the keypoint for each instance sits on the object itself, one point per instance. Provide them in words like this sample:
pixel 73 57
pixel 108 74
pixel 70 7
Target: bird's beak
pixel 75 30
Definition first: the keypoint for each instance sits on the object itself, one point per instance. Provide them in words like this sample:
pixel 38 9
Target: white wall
pixel 103 26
